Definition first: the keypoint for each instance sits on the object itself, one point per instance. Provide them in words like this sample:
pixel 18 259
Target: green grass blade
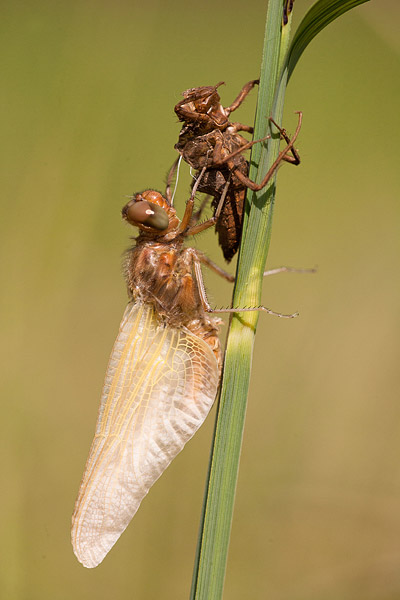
pixel 318 17
pixel 210 565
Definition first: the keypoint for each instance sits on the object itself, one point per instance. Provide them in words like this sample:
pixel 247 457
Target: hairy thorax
pixel 162 275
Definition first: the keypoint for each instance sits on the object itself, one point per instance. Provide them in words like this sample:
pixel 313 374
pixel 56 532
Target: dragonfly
pixel 162 376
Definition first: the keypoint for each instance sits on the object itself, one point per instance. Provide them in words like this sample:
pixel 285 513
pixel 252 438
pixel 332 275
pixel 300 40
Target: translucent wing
pixel 160 385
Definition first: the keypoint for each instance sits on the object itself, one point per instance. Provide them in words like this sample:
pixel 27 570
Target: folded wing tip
pixel 183 379
pixel 89 557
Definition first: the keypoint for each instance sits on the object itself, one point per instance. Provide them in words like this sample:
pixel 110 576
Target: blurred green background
pixel 88 90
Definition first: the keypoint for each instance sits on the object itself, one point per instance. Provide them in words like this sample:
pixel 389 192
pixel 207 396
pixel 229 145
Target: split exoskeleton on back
pixel 209 139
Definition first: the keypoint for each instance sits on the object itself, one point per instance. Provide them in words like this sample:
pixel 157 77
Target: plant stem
pixel 216 522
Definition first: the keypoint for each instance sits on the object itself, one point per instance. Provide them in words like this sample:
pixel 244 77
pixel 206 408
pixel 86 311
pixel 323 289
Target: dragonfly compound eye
pixel 145 213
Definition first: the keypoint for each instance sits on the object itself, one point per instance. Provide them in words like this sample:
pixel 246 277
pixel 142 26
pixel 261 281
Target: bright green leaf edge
pixel 317 18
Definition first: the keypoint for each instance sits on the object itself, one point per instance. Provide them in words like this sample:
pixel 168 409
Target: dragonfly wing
pixel 160 385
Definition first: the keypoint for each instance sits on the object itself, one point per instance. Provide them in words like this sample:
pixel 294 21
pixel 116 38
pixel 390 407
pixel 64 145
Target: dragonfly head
pixel 150 212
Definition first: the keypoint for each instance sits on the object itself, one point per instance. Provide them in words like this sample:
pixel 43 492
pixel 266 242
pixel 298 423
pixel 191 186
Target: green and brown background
pixel 87 97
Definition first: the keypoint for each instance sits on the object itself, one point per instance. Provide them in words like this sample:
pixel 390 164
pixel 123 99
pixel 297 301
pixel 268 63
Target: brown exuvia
pixel 209 139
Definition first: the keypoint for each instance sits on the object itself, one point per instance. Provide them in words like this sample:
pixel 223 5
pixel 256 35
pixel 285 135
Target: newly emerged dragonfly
pixel 162 377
